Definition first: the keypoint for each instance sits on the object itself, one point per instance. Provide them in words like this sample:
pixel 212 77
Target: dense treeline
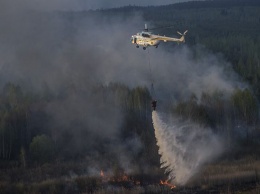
pixel 27 134
pixel 235 117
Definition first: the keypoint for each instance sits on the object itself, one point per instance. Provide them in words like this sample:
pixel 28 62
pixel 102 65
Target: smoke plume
pixel 72 52
pixel 184 147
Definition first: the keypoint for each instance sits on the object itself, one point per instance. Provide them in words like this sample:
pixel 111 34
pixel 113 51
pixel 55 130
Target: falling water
pixel 184 147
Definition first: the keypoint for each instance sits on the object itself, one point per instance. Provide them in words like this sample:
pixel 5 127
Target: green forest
pixel 42 142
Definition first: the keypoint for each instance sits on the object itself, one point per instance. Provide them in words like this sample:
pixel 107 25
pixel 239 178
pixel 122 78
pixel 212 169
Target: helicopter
pixel 146 38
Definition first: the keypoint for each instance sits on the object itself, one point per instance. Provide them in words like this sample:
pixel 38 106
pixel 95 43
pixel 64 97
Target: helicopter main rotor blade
pixel 161 27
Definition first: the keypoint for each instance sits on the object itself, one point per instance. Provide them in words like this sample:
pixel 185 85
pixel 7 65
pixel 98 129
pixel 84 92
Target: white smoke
pixel 184 147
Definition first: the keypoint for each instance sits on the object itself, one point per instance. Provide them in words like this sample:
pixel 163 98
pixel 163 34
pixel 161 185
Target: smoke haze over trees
pixel 74 87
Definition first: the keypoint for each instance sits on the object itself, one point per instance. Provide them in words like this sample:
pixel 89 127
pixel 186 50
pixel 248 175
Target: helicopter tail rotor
pixel 180 33
pixel 182 39
pixel 184 33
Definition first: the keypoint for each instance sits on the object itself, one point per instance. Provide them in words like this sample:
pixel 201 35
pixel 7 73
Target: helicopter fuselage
pixel 144 39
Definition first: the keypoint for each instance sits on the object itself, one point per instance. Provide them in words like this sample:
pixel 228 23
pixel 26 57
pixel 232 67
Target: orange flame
pixel 167 184
pixel 125 177
pixel 120 178
pixel 102 173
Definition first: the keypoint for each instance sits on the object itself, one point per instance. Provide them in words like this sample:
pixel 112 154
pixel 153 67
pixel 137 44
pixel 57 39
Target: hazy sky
pixel 80 4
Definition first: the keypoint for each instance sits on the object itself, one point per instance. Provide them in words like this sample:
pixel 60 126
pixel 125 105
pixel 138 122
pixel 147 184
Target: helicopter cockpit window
pixel 145 35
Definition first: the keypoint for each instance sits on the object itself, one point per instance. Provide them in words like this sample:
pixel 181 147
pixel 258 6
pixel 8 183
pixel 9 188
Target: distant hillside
pixel 216 3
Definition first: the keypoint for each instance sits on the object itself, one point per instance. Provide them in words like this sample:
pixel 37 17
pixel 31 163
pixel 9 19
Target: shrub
pixel 42 149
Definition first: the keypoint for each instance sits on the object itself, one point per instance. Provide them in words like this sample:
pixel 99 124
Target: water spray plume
pixel 184 147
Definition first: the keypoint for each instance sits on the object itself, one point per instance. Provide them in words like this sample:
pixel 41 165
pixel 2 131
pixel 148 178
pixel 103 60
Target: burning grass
pixel 71 178
pixel 168 184
pixel 223 177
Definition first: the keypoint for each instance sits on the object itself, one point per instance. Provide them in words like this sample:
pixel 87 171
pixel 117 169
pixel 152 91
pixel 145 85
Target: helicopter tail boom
pixel 166 39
